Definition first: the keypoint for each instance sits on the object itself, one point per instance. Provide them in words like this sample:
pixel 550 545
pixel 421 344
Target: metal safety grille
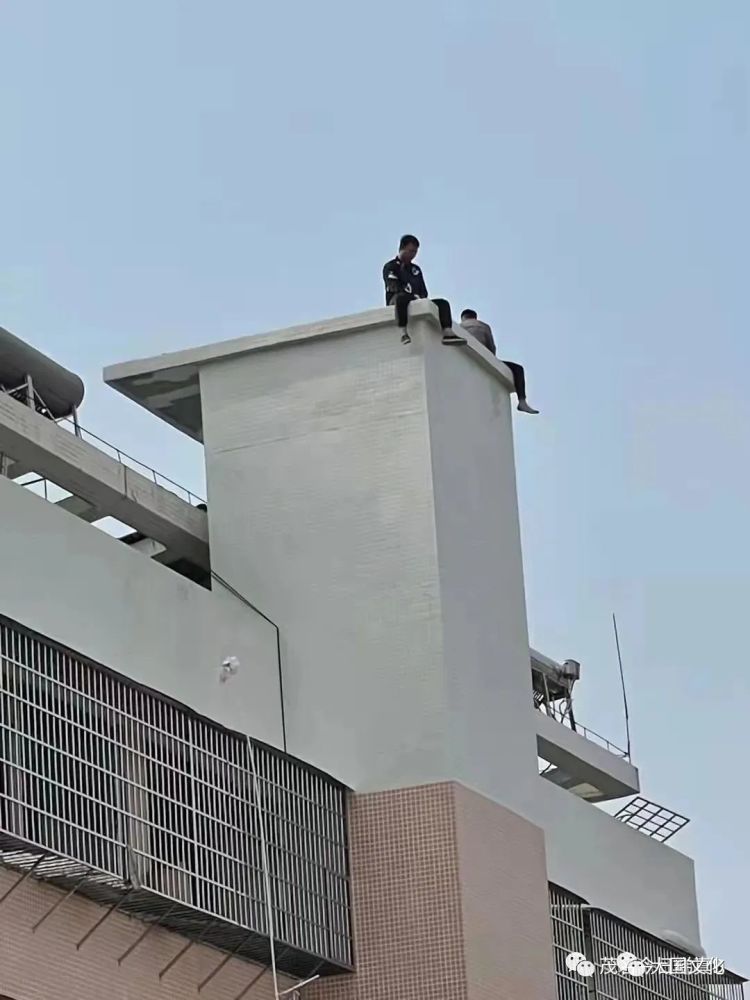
pixel 578 929
pixel 568 938
pixel 652 819
pixel 611 937
pixel 135 800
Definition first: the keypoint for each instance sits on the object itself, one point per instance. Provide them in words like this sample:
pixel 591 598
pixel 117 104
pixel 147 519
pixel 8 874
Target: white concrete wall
pixel 615 867
pixel 78 586
pixel 486 642
pixel 365 500
pixel 320 510
pixel 362 494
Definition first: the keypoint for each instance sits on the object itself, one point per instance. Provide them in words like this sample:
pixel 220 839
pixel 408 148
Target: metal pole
pixel 145 934
pixel 622 681
pixel 187 948
pixel 255 979
pixel 227 958
pixel 60 902
pixel 17 884
pixel 30 392
pixel 113 909
pixel 176 959
pixel 76 425
pixel 298 986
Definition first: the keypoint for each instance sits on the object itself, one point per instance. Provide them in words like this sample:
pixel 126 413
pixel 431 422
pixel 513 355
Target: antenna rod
pixel 622 681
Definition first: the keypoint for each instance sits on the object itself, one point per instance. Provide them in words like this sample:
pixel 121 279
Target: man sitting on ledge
pixel 405 282
pixel 483 333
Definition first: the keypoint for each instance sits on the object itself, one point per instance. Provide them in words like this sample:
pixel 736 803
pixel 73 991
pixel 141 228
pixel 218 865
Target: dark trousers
pixel 519 378
pixel 402 300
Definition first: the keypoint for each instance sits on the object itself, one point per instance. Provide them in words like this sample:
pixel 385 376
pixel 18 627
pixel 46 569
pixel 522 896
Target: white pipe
pixel 298 986
pixel 266 869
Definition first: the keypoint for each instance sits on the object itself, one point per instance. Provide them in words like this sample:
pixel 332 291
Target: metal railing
pixel 568 938
pixel 28 396
pixel 565 718
pixel 144 806
pixel 599 937
pixel 125 459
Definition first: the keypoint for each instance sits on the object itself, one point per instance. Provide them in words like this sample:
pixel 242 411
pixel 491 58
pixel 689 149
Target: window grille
pixel 578 928
pixel 153 806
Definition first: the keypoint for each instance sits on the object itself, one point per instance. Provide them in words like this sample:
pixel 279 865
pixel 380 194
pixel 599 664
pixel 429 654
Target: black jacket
pixel 400 277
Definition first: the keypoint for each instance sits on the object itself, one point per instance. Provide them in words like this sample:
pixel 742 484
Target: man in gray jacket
pixel 483 333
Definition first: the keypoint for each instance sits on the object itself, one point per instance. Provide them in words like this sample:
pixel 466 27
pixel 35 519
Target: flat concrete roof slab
pixel 169 386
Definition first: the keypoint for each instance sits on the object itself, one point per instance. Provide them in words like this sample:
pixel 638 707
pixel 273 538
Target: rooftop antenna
pixel 622 682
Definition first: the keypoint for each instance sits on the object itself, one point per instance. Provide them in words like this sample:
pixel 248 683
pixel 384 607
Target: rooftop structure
pixel 299 724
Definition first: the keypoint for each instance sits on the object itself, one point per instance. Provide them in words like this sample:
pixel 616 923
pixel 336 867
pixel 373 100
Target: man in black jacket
pixel 405 282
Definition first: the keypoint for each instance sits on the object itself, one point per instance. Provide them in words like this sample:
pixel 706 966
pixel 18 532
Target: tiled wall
pixel 46 965
pixel 450 901
pixel 505 902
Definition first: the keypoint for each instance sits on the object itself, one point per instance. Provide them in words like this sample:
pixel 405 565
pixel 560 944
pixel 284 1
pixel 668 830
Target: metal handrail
pixel 33 397
pixel 158 477
pixel 589 734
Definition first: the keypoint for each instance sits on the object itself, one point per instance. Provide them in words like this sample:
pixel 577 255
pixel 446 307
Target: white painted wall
pixel 363 495
pixel 615 867
pixel 485 636
pixel 320 510
pixel 76 585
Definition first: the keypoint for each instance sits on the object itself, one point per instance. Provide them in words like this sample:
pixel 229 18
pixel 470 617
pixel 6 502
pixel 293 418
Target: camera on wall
pixel 229 667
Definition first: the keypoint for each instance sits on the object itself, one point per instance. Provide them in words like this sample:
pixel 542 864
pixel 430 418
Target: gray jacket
pixel 482 332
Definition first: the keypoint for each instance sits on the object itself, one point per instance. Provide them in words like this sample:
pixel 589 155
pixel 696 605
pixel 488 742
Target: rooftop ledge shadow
pixel 169 387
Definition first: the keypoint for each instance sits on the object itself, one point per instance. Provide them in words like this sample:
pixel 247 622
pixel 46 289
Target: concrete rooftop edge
pixel 115 374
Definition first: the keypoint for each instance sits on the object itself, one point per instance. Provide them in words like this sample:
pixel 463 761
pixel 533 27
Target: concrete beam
pixel 108 486
pixel 80 508
pixel 585 763
pixel 153 550
pixel 13 469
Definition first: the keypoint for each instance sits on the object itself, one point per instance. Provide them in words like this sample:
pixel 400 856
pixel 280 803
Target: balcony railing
pixel 115 792
pixel 600 938
pixel 134 463
pixel 553 696
pixel 566 719
pixel 27 395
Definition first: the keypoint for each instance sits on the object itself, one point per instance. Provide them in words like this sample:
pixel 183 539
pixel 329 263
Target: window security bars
pixel 142 804
pixel 583 930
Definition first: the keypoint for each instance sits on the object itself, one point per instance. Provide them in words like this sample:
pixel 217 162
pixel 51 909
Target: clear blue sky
pixel 175 172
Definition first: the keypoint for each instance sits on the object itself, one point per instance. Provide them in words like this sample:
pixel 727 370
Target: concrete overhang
pixel 102 483
pixel 598 772
pixel 168 385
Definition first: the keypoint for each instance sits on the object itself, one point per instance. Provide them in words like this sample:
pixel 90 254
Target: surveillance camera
pixel 229 667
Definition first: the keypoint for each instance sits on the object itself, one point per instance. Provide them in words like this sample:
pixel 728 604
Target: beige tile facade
pixel 450 901
pixel 46 965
